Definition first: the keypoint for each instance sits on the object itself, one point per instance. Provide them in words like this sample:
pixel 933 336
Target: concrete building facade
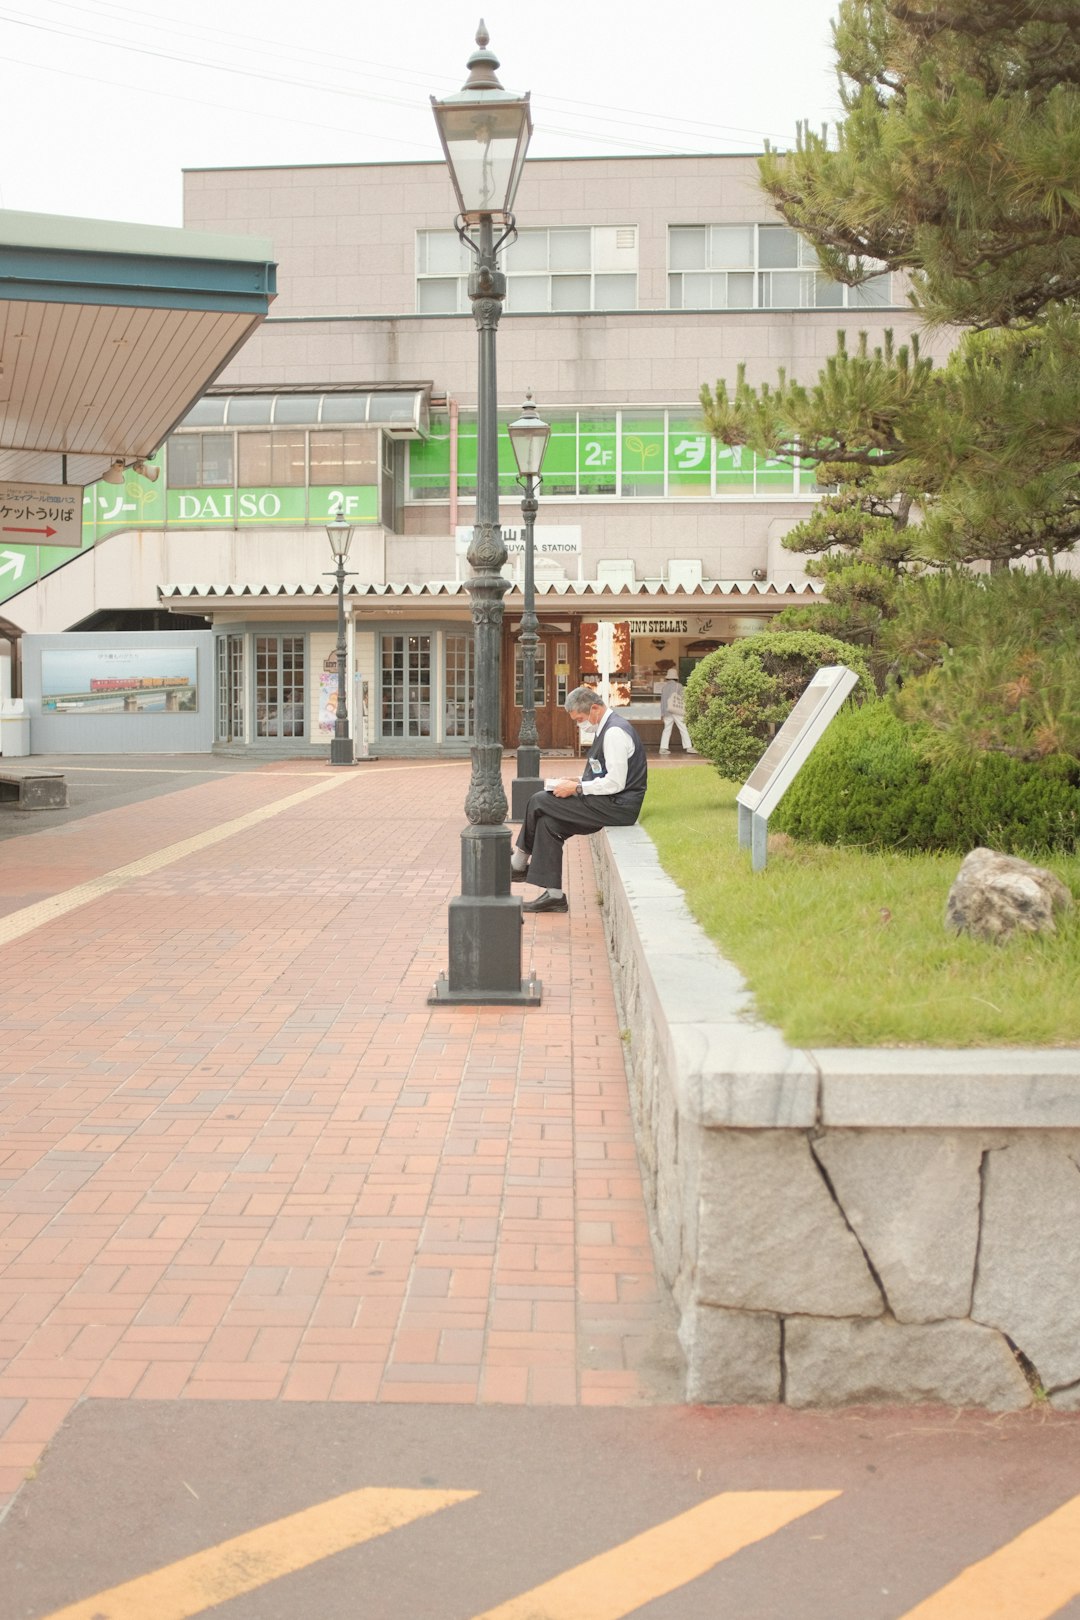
pixel 631 282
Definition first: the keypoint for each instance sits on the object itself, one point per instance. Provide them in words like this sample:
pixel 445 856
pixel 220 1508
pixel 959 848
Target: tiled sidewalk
pixel 241 1157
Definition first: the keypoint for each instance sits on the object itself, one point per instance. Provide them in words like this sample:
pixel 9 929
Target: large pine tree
pixel 957 164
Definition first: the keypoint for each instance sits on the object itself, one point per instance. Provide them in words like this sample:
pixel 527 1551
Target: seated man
pixel 609 794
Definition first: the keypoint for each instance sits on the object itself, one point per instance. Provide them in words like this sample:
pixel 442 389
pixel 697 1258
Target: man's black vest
pixel 637 774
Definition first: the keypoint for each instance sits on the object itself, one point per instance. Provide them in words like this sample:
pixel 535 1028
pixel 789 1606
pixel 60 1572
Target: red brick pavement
pixel 241 1157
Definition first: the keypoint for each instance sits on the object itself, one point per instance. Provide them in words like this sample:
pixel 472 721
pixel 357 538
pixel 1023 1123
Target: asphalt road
pixel 545 1514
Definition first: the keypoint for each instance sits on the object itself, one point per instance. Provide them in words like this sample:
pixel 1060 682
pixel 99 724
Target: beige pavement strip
pixel 247 1562
pixel 18 923
pixel 661 1560
pixel 1029 1578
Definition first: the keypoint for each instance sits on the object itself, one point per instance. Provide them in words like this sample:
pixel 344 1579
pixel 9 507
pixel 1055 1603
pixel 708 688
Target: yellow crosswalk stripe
pixel 662 1559
pixel 1030 1578
pixel 195 1584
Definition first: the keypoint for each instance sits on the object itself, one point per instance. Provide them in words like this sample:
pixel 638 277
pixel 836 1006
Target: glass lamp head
pixel 339 533
pixel 485 132
pixel 529 437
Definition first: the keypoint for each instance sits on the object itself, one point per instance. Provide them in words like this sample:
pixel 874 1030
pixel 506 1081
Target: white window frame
pixel 613 251
pixel 806 268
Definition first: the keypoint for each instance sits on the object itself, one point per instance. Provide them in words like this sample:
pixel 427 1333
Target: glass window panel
pixel 527 292
pixel 642 455
pixel 243 410
pixel 775 476
pixel 539 677
pixel 288 455
pixel 778 248
pixel 253 460
pixel 217 459
pixel 731 247
pixel 688 247
pixel 560 459
pixel 674 294
pixel 740 290
pixel 734 469
pixel 808 258
pixel 570 250
pixel 442 253
pixel 615 292
pixel 872 293
pixel 827 294
pixel 296 408
pixel 345 408
pixel 206 412
pixel 529 252
pixel 183 460
pixel 689 459
pixel 698 291
pixel 596 455
pixel 429 465
pixel 569 292
pixel 787 289
pixel 391 407
pixel 345 456
pixel 437 297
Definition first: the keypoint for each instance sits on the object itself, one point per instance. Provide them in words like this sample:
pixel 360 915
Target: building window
pixel 201 460
pixel 266 460
pixel 539 676
pixel 345 456
pixel 757 267
pixel 561 269
pixel 279 686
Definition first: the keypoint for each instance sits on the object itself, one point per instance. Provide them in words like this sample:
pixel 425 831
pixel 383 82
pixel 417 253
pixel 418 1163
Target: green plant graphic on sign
pixel 647 452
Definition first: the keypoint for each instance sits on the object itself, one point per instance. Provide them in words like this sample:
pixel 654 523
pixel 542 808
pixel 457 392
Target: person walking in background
pixel 673 711
pixel 609 794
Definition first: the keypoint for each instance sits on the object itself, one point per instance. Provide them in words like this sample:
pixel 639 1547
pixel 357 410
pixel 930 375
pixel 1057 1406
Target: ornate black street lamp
pixel 339 534
pixel 529 439
pixel 485 134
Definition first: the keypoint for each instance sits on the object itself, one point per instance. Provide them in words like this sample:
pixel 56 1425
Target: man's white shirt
pixel 617 750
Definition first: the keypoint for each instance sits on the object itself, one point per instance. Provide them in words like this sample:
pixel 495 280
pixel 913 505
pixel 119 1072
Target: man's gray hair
pixel 581 700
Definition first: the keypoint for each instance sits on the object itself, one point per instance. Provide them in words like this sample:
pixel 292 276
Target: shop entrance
pixel 279 687
pixel 553 680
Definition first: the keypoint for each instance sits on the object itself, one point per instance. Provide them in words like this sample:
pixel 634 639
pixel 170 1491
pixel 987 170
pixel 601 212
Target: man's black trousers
pixel 549 822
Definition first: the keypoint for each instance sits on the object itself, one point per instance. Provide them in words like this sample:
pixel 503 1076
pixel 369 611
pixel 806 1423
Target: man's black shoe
pixel 547 902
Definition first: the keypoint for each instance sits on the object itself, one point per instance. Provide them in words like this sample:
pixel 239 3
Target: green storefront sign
pixel 659 455
pixel 110 509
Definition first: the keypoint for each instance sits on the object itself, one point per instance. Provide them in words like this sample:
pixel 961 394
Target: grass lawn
pixel 846 948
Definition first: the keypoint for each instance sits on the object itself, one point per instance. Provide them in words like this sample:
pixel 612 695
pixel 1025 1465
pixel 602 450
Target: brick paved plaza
pixel 240 1157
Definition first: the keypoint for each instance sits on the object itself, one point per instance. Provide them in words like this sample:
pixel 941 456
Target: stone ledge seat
pixel 33 790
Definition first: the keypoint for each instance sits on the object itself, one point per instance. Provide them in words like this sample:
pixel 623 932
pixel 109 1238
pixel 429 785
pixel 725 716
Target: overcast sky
pixel 105 103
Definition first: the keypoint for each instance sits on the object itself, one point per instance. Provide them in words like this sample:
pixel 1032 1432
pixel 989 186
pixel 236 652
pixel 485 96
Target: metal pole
pixel 528 780
pixel 485 919
pixel 341 748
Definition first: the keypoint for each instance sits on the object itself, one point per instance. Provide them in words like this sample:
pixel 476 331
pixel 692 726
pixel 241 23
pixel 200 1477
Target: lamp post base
pixel 528 994
pixel 341 751
pixel 522 789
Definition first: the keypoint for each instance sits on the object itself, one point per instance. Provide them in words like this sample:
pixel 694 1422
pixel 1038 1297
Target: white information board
pixel 787 753
pixel 40 514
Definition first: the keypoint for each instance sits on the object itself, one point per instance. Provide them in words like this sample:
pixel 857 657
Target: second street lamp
pixel 339 534
pixel 485 133
pixel 529 437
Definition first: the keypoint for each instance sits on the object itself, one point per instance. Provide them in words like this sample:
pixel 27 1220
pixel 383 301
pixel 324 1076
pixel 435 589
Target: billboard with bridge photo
pixel 135 680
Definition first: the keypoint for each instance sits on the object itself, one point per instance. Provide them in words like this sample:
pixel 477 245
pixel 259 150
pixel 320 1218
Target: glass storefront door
pixel 279 687
pixel 230 689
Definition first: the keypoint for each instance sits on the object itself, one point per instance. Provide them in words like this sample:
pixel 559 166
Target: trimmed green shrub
pixel 869 782
pixel 738 696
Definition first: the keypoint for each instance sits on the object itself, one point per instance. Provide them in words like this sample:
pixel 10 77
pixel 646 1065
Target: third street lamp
pixel 529 437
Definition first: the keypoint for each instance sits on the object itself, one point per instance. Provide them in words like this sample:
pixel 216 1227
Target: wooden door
pixel 555 677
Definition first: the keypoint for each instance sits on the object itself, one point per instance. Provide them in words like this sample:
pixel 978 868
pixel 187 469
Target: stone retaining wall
pixel 842 1226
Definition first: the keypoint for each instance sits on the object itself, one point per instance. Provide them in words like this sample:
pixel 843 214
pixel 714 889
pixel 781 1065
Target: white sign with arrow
pixel 40 514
